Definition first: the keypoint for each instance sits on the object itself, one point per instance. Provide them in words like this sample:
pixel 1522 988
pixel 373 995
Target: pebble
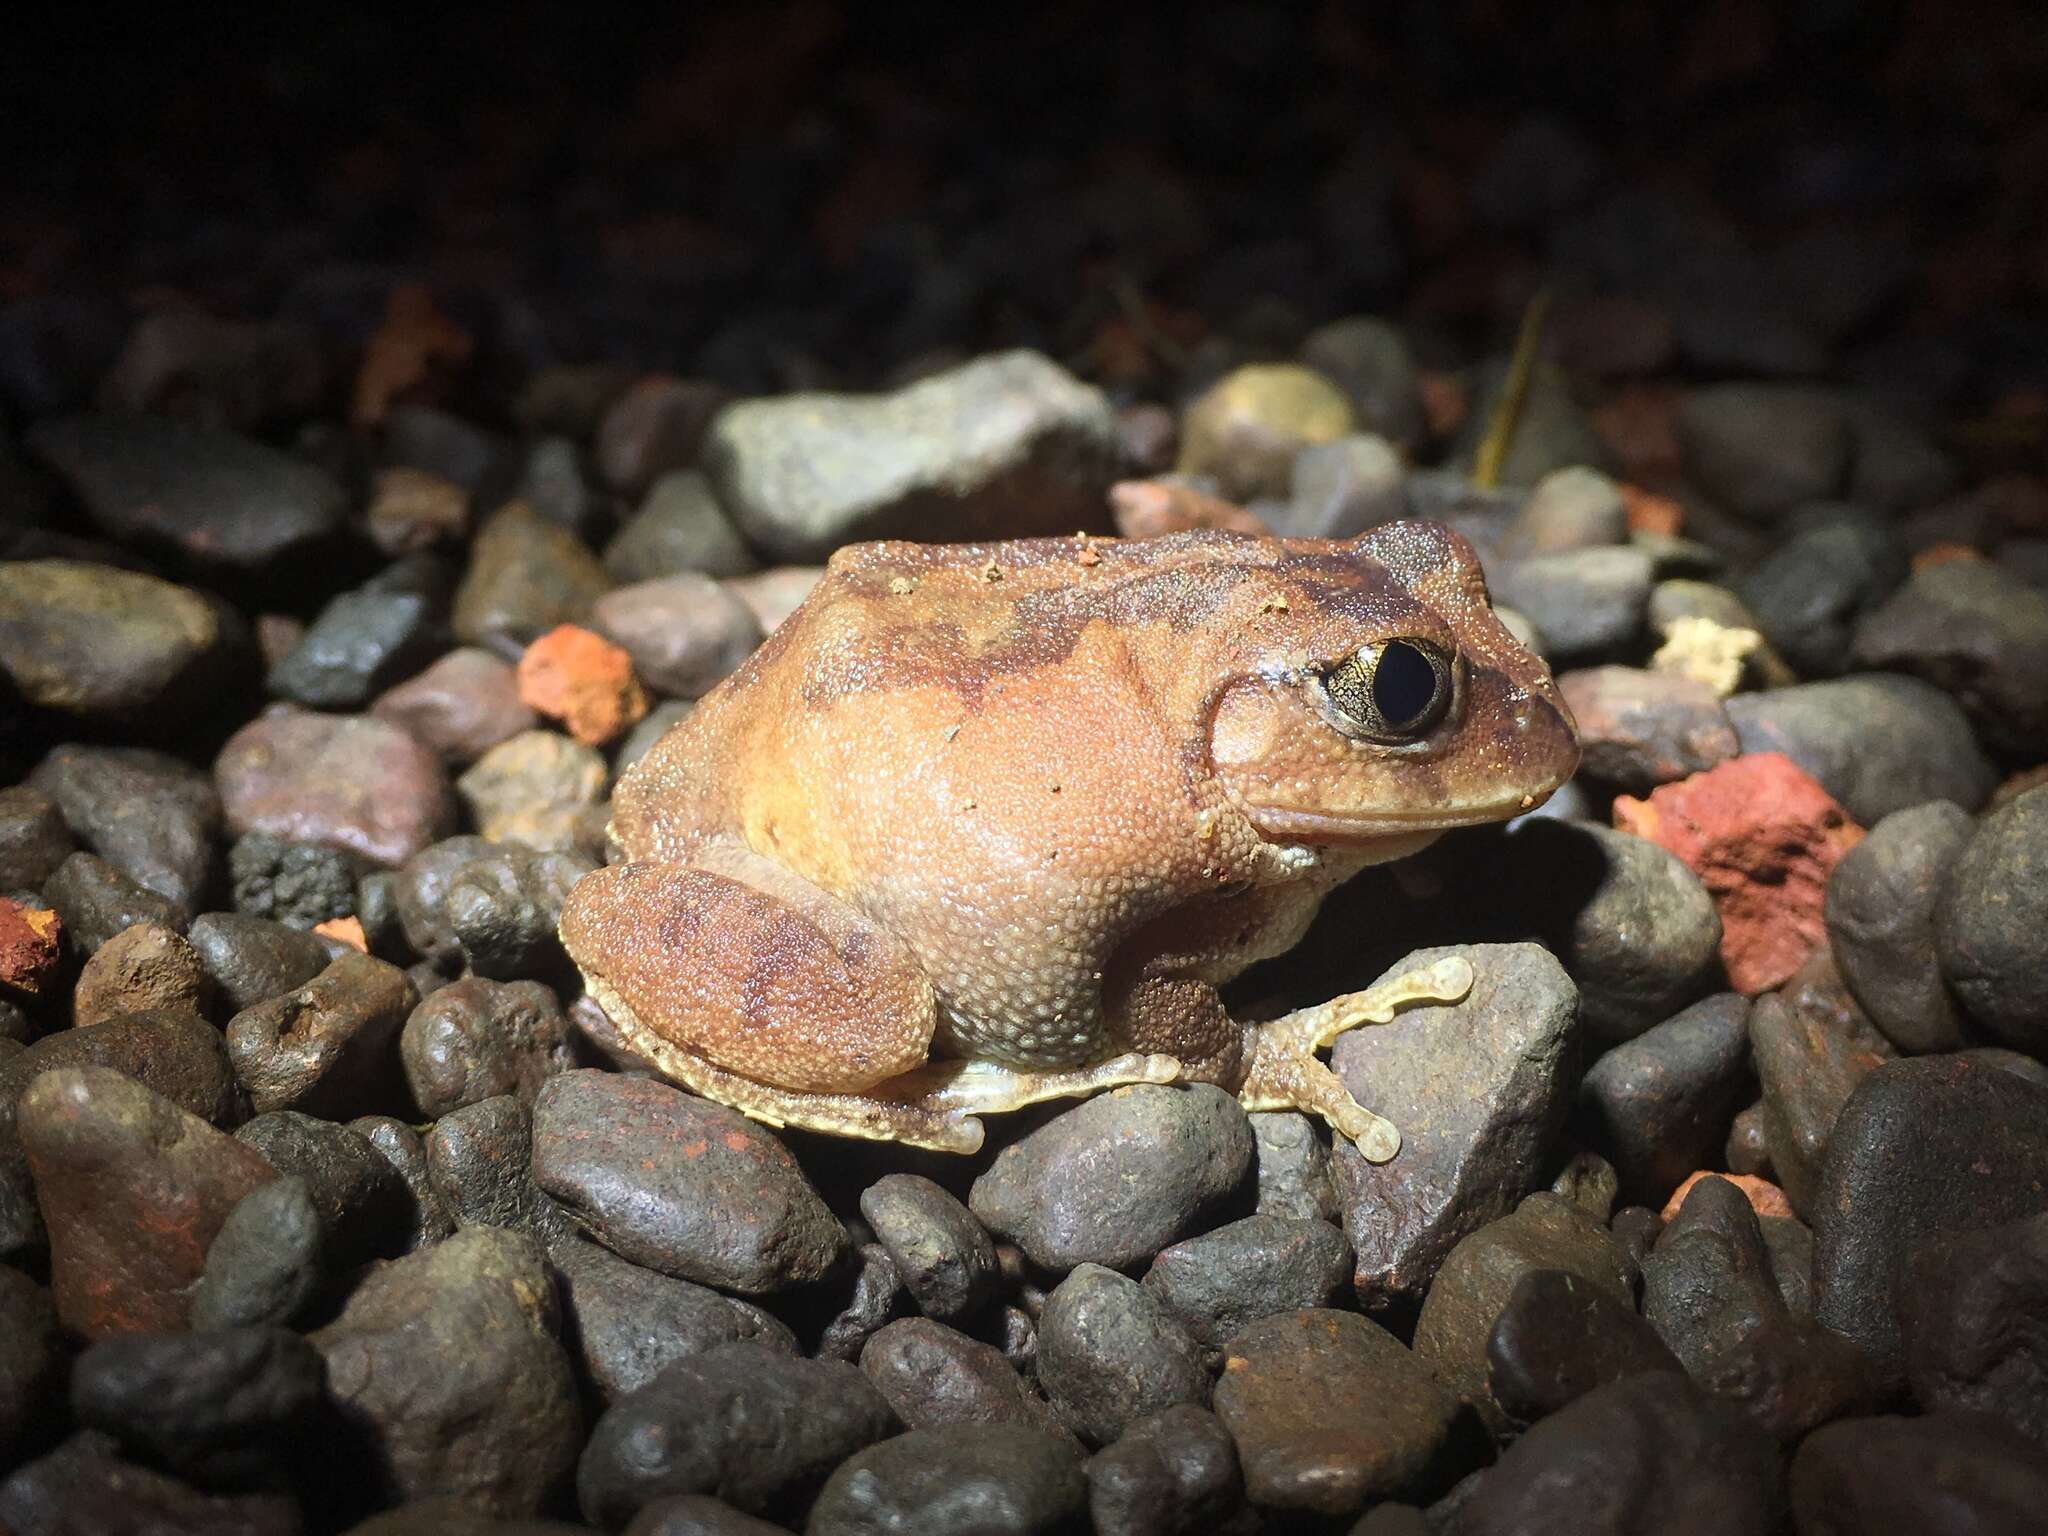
pixel 1991 927
pixel 401 1146
pixel 1835 565
pixel 1117 1178
pixel 1641 1456
pixel 441 443
pixel 1877 743
pixel 1971 1313
pixel 152 817
pixel 757 1429
pixel 476 1038
pixel 1979 632
pixel 1811 1046
pixel 1588 604
pixel 1569 509
pixel 775 593
pixel 1635 928
pixel 1110 1352
pixel 252 959
pixel 1341 488
pixel 684 632
pixel 525 576
pixel 578 677
pixel 1552 431
pixel 1559 1337
pixel 1293 1167
pixel 31 951
pixel 33 838
pixel 1883 900
pixel 1222 1281
pixel 415 509
pixel 1945 1474
pixel 1763 836
pixel 300 885
pixel 448 1361
pixel 1005 445
pixel 460 706
pixel 1925 1146
pixel 1545 1231
pixel 95 901
pixel 113 1160
pixel 550 480
pixel 1708 1282
pixel 654 426
pixel 263 1266
pixel 480 1166
pixel 83 1486
pixel 139 969
pixel 679 527
pixel 366 1212
pixel 1246 429
pixel 349 782
pixel 1763 449
pixel 626 1323
pixel 1330 1414
pixel 1478 1089
pixel 215 497
pixel 327 1047
pixel 217 372
pixel 33 1362
pixel 1173 1473
pixel 1370 361
pixel 946 1258
pixel 689 1514
pixel 219 1407
pixel 933 1376
pixel 490 907
pixel 997 1479
pixel 366 639
pixel 1660 1105
pixel 681 1184
pixel 1640 729
pixel 873 1298
pixel 541 789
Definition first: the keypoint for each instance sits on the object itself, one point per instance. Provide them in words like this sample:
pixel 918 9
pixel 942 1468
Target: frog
pixel 981 825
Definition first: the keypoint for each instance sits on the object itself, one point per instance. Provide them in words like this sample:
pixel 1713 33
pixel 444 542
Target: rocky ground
pixel 368 503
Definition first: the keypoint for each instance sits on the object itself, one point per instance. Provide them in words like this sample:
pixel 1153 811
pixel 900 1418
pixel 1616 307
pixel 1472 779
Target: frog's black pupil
pixel 1403 684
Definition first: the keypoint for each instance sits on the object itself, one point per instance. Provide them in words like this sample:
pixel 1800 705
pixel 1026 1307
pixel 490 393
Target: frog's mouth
pixel 1325 829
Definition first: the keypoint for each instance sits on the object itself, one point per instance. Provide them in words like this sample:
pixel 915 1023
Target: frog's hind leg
pixel 1285 1073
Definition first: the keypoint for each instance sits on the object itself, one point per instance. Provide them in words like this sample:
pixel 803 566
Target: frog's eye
pixel 1391 690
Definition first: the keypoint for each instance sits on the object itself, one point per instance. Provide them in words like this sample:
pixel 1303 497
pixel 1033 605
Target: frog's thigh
pixel 755 972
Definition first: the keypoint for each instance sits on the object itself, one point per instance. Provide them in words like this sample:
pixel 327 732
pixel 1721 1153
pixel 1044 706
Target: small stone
pixel 366 639
pixel 1588 604
pixel 688 1514
pixel 1877 743
pixel 298 884
pixel 447 1358
pixel 1151 509
pixel 1980 634
pixel 103 643
pixel 325 1048
pixel 33 1360
pixel 1748 1151
pixel 1293 1167
pixel 401 1146
pixel 580 678
pixel 1560 1337
pixel 349 782
pixel 1927 1146
pixel 217 372
pixel 96 901
pixel 1007 445
pixel 999 1479
pixel 946 1257
pixel 684 632
pixel 551 481
pixel 933 1375
pixel 141 968
pixel 215 497
pixel 654 426
pixel 1991 927
pixel 1117 1178
pixel 1474 1284
pixel 33 838
pixel 1972 1304
pixel 1812 1046
pixel 1636 929
pixel 489 907
pixel 1764 1197
pixel 1660 1105
pixel 1763 837
pixel 151 816
pixel 1551 432
pixel 415 509
pixel 480 1164
pixel 1646 1454
pixel 1836 564
pixel 1708 1283
pixel 1640 729
pixel 475 1039
pixel 1247 428
pixel 1881 910
pixel 1947 1474
pixel 526 575
pixel 1222 1281
pixel 418 436
pixel 759 1430
pixel 1341 488
pixel 1569 509
pixel 874 1297
pixel 1109 1353
pixel 1330 1413
pixel 366 1212
pixel 774 594
pixel 680 527
pixel 1369 360
pixel 1765 448
pixel 626 1323
pixel 133 1190
pixel 31 951
pixel 1173 1473
pixel 252 959
pixel 681 1184
pixel 460 707
pixel 83 1485
pixel 541 789
pixel 263 1266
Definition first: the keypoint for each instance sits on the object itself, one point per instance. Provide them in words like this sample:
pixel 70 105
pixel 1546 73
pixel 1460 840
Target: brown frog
pixel 986 824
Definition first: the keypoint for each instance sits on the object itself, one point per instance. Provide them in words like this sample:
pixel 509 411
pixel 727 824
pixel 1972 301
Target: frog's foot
pixel 1284 1071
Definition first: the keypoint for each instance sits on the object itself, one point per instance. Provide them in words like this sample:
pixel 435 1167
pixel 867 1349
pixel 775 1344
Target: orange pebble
pixel 347 929
pixel 578 677
pixel 1765 1198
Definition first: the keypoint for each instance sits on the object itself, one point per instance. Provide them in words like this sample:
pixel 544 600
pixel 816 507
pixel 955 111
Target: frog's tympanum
pixel 982 825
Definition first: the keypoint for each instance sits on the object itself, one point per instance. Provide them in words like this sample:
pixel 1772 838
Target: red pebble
pixel 31 949
pixel 1763 836
pixel 578 677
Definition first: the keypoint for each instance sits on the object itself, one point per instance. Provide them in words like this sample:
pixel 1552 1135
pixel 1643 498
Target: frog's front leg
pixel 1283 1070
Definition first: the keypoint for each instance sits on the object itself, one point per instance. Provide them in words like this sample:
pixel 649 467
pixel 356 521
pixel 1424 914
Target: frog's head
pixel 1371 694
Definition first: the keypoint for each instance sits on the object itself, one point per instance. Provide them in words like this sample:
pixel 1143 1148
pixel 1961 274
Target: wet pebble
pixel 679 527
pixel 349 782
pixel 1246 429
pixel 1293 1167
pixel 1002 1479
pixel 414 509
pixel 151 816
pixel 1110 1352
pixel 1640 729
pixel 525 576
pixel 946 1258
pixel 1881 909
pixel 368 638
pixel 252 959
pixel 1836 563
pixel 96 901
pixel 1811 1047
pixel 1559 1337
pixel 1660 1105
pixel 1222 1281
pixel 1991 926
pixel 140 969
pixel 480 1165
pixel 297 884
pixel 489 907
pixel 1577 508
pixel 578 677
pixel 1370 361
pixel 326 1048
pixel 402 1147
pixel 365 1210
pixel 1588 604
pixel 874 1297
pixel 460 707
pixel 933 1375
pixel 539 788
pixel 1172 1473
pixel 264 1265
pixel 476 1038
pixel 684 632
